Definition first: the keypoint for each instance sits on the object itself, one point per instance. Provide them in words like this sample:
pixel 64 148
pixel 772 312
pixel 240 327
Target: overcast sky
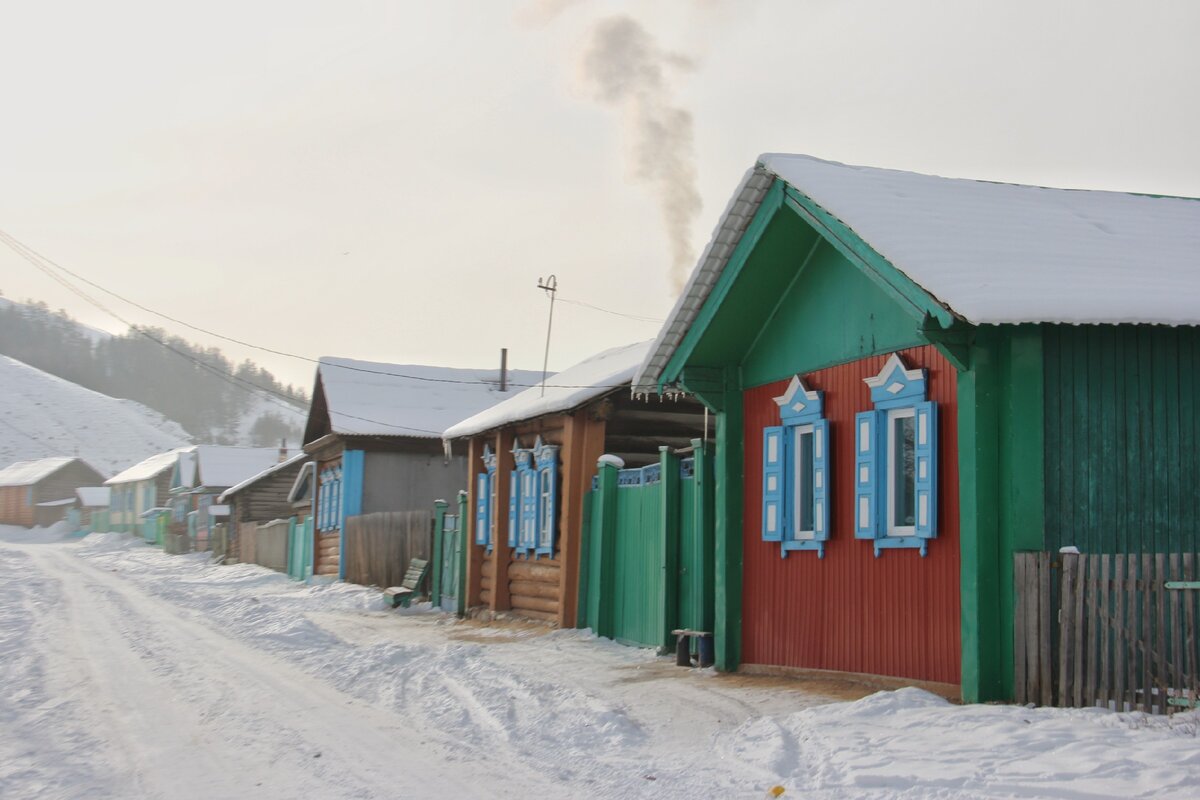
pixel 388 180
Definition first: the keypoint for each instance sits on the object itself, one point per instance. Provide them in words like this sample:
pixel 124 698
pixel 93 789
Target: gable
pixel 832 313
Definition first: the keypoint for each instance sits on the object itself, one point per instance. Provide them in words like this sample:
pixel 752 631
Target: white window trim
pixel 796 492
pixel 894 414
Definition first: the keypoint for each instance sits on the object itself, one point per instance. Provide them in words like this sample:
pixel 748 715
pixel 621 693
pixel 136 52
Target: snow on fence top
pixel 149 468
pixel 377 399
pixel 569 389
pixel 989 252
pixel 24 473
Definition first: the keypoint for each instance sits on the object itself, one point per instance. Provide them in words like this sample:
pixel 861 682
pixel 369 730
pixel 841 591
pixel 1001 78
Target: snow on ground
pixel 125 672
pixel 42 415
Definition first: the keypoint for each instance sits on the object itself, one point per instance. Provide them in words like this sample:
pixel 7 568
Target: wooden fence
pixel 1117 631
pixel 379 546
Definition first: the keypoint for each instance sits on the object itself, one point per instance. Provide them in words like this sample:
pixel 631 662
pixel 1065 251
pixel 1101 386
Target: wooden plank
pixel 1024 600
pixel 1161 656
pixel 1176 676
pixel 1189 629
pixel 1091 661
pixel 1119 659
pixel 1066 631
pixel 1144 638
pixel 1105 686
pixel 1079 653
pixel 1045 631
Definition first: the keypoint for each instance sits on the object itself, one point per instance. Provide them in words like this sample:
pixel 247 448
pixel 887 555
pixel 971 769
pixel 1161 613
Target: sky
pixel 390 180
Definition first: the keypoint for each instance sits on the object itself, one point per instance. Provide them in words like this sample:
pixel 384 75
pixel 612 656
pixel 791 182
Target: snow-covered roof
pixel 66 501
pixel 988 252
pixel 93 496
pixel 253 479
pixel 24 473
pixel 149 468
pixel 218 466
pixel 371 398
pixel 569 389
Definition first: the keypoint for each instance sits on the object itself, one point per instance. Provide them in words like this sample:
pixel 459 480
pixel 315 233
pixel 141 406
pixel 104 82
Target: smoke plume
pixel 625 68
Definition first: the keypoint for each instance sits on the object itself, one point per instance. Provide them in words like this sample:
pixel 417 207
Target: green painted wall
pixel 1122 442
pixel 831 313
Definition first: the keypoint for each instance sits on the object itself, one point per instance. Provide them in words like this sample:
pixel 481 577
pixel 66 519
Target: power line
pixel 29 254
pixel 636 317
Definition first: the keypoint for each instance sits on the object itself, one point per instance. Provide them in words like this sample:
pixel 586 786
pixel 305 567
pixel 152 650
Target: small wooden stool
pixel 683 649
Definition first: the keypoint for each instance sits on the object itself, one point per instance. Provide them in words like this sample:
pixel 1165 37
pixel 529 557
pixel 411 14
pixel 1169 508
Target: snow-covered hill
pixel 41 415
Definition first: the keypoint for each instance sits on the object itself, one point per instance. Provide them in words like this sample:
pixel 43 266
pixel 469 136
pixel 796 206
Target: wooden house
pixel 374 430
pixel 201 473
pixel 532 462
pixel 39 492
pixel 90 510
pixel 139 488
pixel 260 499
pixel 913 378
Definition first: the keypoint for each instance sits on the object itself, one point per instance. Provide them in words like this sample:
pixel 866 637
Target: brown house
pixel 532 459
pixel 40 492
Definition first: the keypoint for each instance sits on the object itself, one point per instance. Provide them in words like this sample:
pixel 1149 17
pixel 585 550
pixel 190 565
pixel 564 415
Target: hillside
pixel 41 415
pixel 215 400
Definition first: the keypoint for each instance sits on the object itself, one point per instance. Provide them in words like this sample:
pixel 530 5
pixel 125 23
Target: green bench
pixel 409 588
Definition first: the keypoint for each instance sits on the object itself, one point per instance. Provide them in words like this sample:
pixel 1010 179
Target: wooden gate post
pixel 439 531
pixel 600 600
pixel 460 555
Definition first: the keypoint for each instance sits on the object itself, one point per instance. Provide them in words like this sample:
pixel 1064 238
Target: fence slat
pixel 1079 654
pixel 1021 626
pixel 1161 670
pixel 380 545
pixel 1144 636
pixel 1066 637
pixel 1189 635
pixel 1105 625
pixel 1119 634
pixel 1045 631
pixel 1176 677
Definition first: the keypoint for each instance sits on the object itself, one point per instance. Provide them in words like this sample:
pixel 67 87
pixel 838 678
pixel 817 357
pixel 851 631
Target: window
pixel 796 473
pixel 896 461
pixel 329 499
pixel 485 499
pixel 533 500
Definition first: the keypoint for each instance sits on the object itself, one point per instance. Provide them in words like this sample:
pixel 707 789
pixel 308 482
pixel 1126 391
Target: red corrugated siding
pixel 893 615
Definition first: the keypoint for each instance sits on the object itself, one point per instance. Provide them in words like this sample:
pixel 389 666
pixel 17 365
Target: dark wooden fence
pixel 379 546
pixel 1118 631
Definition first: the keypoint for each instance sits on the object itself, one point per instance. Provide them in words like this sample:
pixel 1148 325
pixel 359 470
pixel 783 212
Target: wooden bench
pixel 683 649
pixel 409 588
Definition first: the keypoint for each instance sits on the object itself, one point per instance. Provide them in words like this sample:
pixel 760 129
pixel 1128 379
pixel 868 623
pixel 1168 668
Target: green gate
pixel 300 548
pixel 648 550
pixel 449 567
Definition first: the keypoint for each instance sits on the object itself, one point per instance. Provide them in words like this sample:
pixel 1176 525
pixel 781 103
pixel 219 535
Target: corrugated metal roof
pixel 24 473
pixel 149 468
pixel 253 479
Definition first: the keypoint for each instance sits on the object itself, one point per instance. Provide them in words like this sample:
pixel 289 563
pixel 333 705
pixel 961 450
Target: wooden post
pixel 1045 630
pixel 668 529
pixel 583 443
pixel 501 552
pixel 439 532
pixel 1105 626
pixel 727 633
pixel 460 553
pixel 1066 639
pixel 468 590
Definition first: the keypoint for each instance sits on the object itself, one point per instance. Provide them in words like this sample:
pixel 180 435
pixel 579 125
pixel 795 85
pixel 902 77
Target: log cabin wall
pixel 327 549
pixel 636 427
pixel 14 506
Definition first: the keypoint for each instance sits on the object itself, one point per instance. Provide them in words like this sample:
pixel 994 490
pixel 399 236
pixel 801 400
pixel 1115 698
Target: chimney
pixel 283 451
pixel 504 369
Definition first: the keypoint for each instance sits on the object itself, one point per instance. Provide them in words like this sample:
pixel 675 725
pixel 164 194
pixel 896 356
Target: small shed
pixel 374 430
pixel 917 378
pixel 39 492
pixel 532 462
pixel 91 508
pixel 137 489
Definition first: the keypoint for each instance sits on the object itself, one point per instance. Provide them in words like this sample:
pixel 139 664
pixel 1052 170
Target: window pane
pixel 803 503
pixel 904 473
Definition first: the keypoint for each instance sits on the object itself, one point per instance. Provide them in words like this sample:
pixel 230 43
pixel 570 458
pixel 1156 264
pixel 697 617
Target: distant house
pixel 200 475
pixel 40 492
pixel 260 499
pixel 532 461
pixel 90 510
pixel 374 431
pixel 916 378
pixel 140 488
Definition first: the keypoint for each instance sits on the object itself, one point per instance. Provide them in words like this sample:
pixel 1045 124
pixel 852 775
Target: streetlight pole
pixel 550 287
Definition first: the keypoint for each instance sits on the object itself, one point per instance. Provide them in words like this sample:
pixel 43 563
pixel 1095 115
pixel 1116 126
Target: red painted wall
pixel 893 615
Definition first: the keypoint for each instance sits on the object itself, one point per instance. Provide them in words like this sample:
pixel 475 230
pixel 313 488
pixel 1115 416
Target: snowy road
pixel 127 673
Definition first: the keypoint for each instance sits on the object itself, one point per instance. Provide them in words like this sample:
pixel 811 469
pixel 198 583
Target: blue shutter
pixel 867 475
pixel 514 497
pixel 549 512
pixel 774 459
pixel 821 476
pixel 529 509
pixel 926 450
pixel 482 496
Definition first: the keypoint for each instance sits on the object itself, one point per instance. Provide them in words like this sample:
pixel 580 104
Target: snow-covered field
pixel 125 672
pixel 43 415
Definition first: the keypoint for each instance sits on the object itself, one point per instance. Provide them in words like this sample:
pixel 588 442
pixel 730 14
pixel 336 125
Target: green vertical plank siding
pixel 638 566
pixel 1121 438
pixel 691 564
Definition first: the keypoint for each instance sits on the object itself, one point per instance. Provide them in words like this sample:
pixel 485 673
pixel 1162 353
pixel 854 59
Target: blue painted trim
pixel 351 492
pixel 804 544
pixel 900 543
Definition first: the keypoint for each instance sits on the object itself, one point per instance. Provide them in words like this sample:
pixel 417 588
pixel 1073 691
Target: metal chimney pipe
pixel 504 369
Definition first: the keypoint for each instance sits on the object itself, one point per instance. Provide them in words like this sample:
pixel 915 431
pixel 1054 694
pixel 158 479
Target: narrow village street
pixel 125 672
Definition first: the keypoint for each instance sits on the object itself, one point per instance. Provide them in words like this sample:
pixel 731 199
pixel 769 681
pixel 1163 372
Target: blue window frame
pixel 545 458
pixel 796 474
pixel 533 500
pixel 329 498
pixel 895 496
pixel 485 499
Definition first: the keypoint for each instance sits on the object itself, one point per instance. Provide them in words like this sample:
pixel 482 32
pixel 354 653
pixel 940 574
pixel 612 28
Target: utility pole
pixel 550 287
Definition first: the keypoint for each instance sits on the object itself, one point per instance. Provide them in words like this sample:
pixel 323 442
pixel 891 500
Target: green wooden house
pixel 994 369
